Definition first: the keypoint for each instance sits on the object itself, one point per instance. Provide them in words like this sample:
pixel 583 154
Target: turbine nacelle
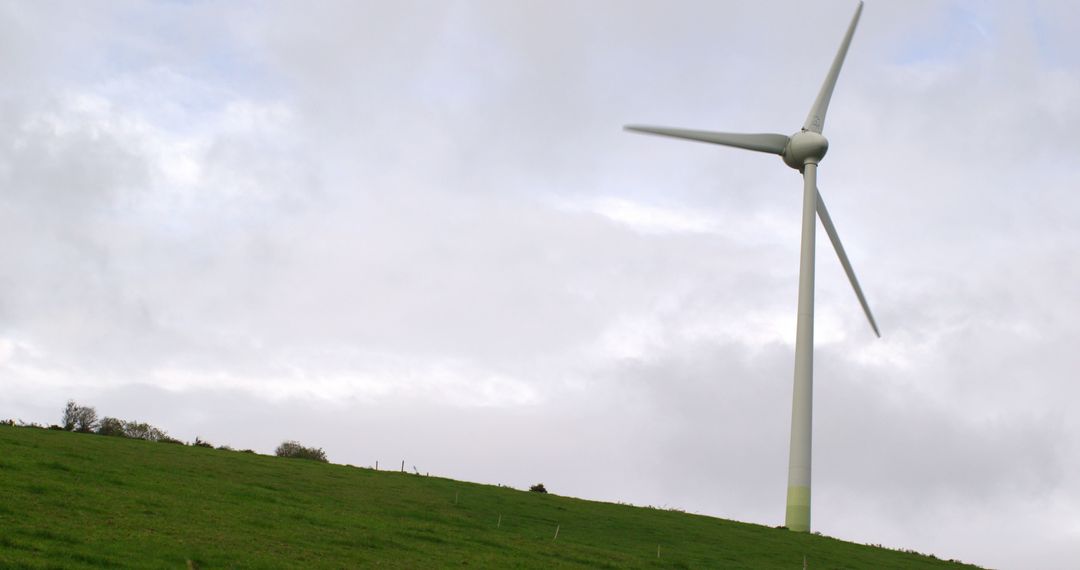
pixel 805 147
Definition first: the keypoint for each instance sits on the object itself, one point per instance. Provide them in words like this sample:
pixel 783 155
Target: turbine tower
pixel 802 151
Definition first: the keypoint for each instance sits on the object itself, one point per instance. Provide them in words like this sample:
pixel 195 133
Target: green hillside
pixel 70 500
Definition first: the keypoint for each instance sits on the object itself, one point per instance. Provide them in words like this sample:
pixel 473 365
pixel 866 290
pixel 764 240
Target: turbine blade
pixel 826 221
pixel 761 142
pixel 815 121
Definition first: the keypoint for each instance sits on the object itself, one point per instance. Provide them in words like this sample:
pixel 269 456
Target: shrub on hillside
pixel 111 426
pixel 134 430
pixel 79 418
pixel 538 488
pixel 143 430
pixel 202 443
pixel 294 449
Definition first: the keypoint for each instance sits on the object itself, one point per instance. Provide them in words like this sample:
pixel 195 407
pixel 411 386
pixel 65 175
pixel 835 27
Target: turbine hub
pixel 804 147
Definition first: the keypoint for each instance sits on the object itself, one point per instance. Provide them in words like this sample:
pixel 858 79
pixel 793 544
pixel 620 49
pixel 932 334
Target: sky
pixel 416 231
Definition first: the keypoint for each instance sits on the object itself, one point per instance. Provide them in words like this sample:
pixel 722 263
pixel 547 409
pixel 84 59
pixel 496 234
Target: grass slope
pixel 72 500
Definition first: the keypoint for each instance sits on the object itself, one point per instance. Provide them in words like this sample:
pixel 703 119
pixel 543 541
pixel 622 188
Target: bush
pixel 134 430
pixel 294 449
pixel 143 430
pixel 201 443
pixel 79 418
pixel 538 488
pixel 111 426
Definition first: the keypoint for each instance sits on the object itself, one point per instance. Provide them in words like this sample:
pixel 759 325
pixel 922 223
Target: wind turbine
pixel 801 151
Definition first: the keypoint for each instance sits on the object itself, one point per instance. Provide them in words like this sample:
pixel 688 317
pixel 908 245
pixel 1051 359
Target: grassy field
pixel 70 500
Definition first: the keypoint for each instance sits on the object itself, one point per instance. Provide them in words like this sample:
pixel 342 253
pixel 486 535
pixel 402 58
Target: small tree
pixel 79 418
pixel 538 488
pixel 294 449
pixel 70 413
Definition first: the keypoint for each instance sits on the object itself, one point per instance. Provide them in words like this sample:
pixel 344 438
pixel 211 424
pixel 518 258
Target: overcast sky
pixel 416 230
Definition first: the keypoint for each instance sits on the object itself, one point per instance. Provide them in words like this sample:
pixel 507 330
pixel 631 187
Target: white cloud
pixel 652 219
